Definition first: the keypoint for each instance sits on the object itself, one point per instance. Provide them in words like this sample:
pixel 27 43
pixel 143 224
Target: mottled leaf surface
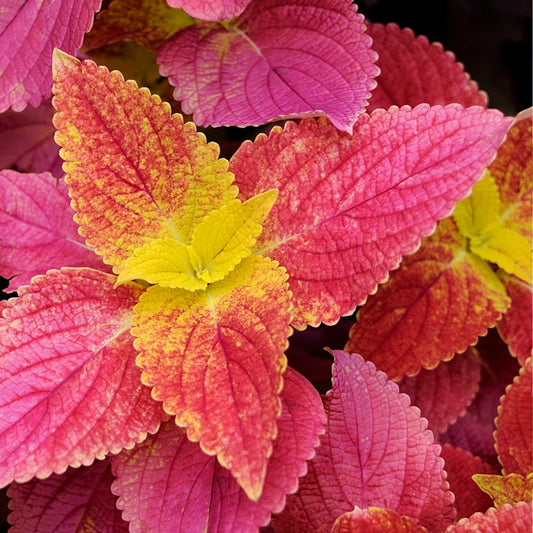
pixel 436 304
pixel 183 489
pixel 415 71
pixel 29 31
pixel 511 488
pixel 148 22
pixel 444 393
pixel 350 206
pixel 509 518
pixel 37 231
pixel 27 140
pixel 277 60
pixel 376 452
pixel 460 466
pixel 78 500
pixel 135 172
pixel 70 389
pixel 375 520
pixel 214 10
pixel 215 359
pixel 514 434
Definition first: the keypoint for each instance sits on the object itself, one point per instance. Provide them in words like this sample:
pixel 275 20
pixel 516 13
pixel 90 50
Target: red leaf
pixel 70 389
pixel 375 520
pixel 350 206
pixel 37 231
pixel 415 71
pixel 162 481
pixel 78 500
pixel 444 393
pixel 376 453
pixel 29 31
pixel 27 140
pixel 277 60
pixel 460 467
pixel 508 518
pixel 213 10
pixel 436 304
pixel 514 433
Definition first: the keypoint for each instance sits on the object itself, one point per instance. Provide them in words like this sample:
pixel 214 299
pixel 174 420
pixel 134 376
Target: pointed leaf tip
pixel 62 61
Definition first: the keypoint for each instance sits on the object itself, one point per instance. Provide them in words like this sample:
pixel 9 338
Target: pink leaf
pixel 37 231
pixel 415 71
pixel 27 140
pixel 29 31
pixel 214 10
pixel 175 475
pixel 444 393
pixel 506 519
pixel 278 60
pixel 376 453
pixel 78 500
pixel 460 467
pixel 70 389
pixel 350 206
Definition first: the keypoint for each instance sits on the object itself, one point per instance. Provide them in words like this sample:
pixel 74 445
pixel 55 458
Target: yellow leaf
pixel 165 262
pixel 226 235
pixel 511 488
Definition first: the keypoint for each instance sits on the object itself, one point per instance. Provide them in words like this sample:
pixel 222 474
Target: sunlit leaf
pixel 511 488
pixel 70 389
pixel 276 60
pixel 215 359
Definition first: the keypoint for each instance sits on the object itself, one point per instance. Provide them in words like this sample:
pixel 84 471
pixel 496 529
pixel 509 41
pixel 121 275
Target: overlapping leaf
pixel 415 71
pixel 436 304
pixel 168 483
pixel 514 433
pixel 29 31
pixel 376 453
pixel 214 10
pixel 27 140
pixel 460 466
pixel 71 390
pixel 78 500
pixel 509 518
pixel 148 22
pixel 277 60
pixel 350 207
pixel 375 520
pixel 135 172
pixel 511 488
pixel 215 359
pixel 37 231
pixel 444 393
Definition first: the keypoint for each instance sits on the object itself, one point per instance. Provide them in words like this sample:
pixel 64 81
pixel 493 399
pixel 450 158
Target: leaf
pixel 509 518
pixel 375 520
pixel 148 22
pixel 215 10
pixel 78 500
pixel 350 206
pixel 162 480
pixel 461 468
pixel 215 360
pixel 27 140
pixel 277 60
pixel 135 172
pixel 29 31
pixel 444 393
pixel 511 488
pixel 513 425
pixel 436 304
pixel 376 453
pixel 70 388
pixel 415 71
pixel 36 228
pixel 477 218
pixel 514 326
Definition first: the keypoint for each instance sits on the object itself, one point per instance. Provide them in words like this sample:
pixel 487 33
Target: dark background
pixel 492 38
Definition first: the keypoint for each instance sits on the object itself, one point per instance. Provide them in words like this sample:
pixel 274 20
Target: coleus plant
pixel 209 268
